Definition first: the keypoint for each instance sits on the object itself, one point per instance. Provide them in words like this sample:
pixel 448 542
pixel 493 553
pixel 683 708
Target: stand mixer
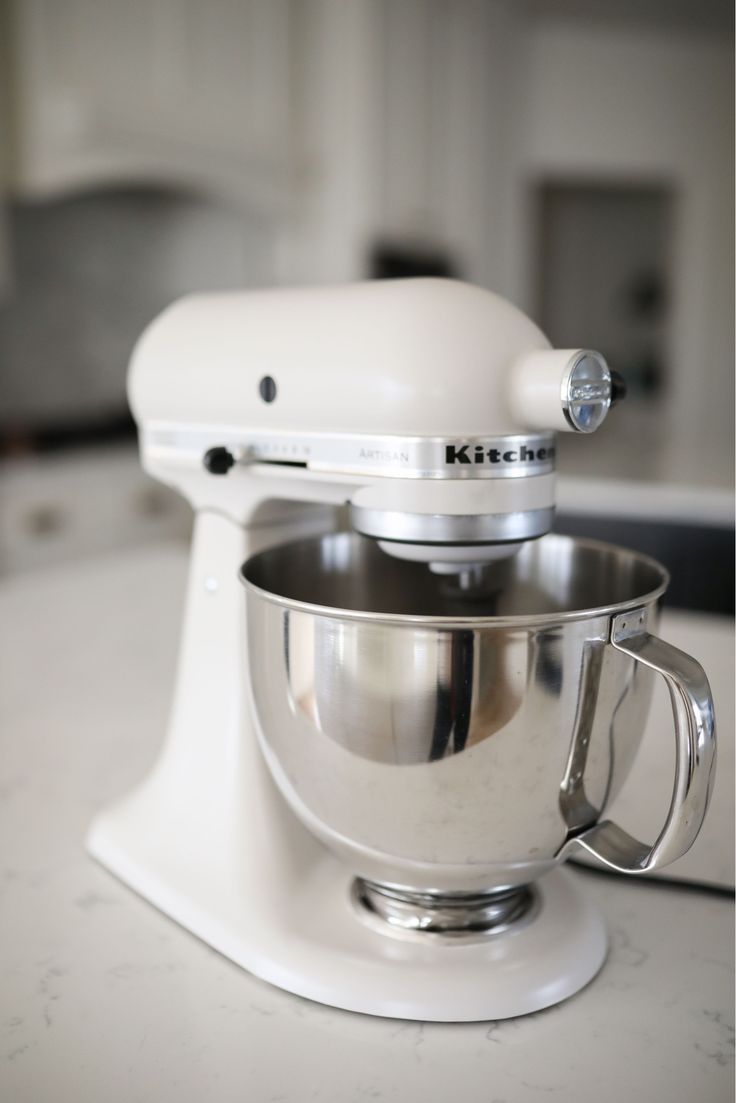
pixel 329 809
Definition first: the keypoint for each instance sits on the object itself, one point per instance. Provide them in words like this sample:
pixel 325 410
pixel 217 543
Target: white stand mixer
pixel 430 407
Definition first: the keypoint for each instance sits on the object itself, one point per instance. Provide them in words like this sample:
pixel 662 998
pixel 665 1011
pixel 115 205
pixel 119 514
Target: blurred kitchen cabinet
pixel 176 91
pixel 64 506
pixel 324 116
pixel 451 73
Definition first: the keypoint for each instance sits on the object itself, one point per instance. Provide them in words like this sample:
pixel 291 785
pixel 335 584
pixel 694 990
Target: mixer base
pixel 303 932
pixel 539 961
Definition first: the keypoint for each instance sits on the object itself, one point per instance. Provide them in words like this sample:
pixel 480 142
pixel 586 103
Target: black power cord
pixel 652 879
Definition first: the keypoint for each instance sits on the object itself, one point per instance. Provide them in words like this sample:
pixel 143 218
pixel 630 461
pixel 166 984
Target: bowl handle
pixel 692 705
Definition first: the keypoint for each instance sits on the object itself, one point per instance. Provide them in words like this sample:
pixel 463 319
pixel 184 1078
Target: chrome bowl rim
pixel 526 620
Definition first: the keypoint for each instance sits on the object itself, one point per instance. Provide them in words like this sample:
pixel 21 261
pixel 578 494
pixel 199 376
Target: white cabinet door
pixel 181 90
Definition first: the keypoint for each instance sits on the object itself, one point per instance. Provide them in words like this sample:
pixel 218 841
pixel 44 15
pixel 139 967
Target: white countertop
pixel 637 500
pixel 104 998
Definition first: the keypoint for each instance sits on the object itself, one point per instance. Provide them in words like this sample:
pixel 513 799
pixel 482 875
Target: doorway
pixel 603 277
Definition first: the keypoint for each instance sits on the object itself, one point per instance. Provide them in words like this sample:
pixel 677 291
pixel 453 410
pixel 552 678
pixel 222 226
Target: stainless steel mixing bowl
pixel 456 740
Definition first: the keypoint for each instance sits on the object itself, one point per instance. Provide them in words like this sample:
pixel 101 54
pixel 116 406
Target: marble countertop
pixel 104 998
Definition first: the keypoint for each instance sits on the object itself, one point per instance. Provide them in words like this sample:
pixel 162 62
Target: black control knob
pixel 618 388
pixel 218 461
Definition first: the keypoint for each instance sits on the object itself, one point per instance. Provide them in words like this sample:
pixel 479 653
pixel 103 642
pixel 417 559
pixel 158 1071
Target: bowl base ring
pixel 443 916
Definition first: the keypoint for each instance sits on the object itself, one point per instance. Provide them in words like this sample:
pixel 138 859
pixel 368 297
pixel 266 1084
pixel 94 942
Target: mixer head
pixel 431 405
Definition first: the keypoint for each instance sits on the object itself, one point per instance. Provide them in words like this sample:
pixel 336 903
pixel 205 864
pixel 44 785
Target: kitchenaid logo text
pixel 477 453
